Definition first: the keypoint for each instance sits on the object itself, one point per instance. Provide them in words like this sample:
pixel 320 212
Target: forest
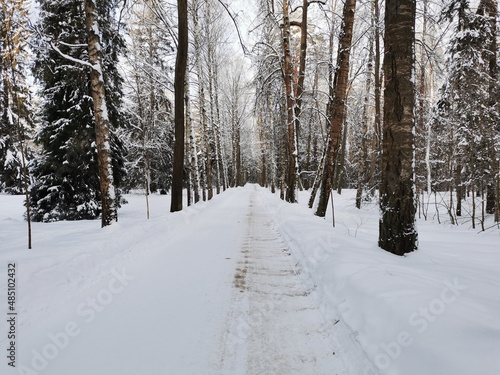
pixel 300 99
pixel 282 187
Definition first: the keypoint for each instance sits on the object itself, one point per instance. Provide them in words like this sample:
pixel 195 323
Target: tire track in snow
pixel 274 326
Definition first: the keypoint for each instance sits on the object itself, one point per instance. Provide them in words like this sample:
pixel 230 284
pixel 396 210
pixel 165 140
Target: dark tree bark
pixel 338 96
pixel 397 232
pixel 459 187
pixel 180 74
pixel 287 76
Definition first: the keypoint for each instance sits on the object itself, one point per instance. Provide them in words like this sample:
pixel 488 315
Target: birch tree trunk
pixel 364 130
pixel 213 121
pixel 218 136
pixel 192 153
pixel 102 123
pixel 201 101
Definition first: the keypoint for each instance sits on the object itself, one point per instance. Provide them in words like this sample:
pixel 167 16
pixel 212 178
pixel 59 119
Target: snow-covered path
pixel 274 326
pixel 219 295
pixel 212 290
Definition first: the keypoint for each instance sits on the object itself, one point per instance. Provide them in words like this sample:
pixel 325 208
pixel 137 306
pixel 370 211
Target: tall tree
pixel 397 231
pixel 489 10
pixel 15 113
pixel 205 144
pixel 77 65
pixel 364 121
pixel 148 135
pixel 471 108
pixel 288 79
pixel 16 121
pixel 180 76
pixel 101 116
pixel 337 105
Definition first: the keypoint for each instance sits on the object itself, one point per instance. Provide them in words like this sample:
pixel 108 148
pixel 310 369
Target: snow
pixel 434 311
pixel 248 284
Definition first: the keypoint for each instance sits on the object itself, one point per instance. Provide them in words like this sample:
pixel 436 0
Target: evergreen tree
pixel 468 112
pixel 67 180
pixel 15 112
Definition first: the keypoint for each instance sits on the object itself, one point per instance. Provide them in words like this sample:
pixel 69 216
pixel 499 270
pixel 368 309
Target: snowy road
pixel 217 293
pixel 212 290
pixel 273 326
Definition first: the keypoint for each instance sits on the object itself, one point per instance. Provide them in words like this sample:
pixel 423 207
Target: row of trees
pixel 100 118
pixel 152 95
pixel 415 113
pixel 327 103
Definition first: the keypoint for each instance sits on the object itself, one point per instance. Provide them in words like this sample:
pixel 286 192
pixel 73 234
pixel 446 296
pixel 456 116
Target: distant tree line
pixel 396 99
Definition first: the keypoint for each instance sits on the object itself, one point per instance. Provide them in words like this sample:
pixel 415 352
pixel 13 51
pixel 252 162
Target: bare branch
pixel 243 47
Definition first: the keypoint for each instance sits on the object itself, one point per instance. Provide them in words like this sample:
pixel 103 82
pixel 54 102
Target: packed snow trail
pixel 217 294
pixel 273 326
pixel 211 290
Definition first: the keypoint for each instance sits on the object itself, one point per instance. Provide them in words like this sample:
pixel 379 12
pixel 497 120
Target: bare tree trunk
pixel 237 144
pixel 179 82
pixel 459 187
pixel 377 138
pixel 102 124
pixel 208 150
pixel 338 106
pixel 339 169
pixel 282 178
pixel 397 231
pixel 309 139
pixel 287 76
pixel 321 166
pixel 262 148
pixel 298 95
pixel 192 153
pixel 497 198
pixel 450 208
pixel 483 206
pixel 213 122
pixel 364 123
pixel 187 136
pixel 428 141
pixel 218 136
pixel 236 133
pixel 197 47
pixel 473 215
pixel 317 179
pixel 272 163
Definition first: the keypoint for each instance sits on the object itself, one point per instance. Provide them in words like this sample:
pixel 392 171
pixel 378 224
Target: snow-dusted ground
pixel 247 284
